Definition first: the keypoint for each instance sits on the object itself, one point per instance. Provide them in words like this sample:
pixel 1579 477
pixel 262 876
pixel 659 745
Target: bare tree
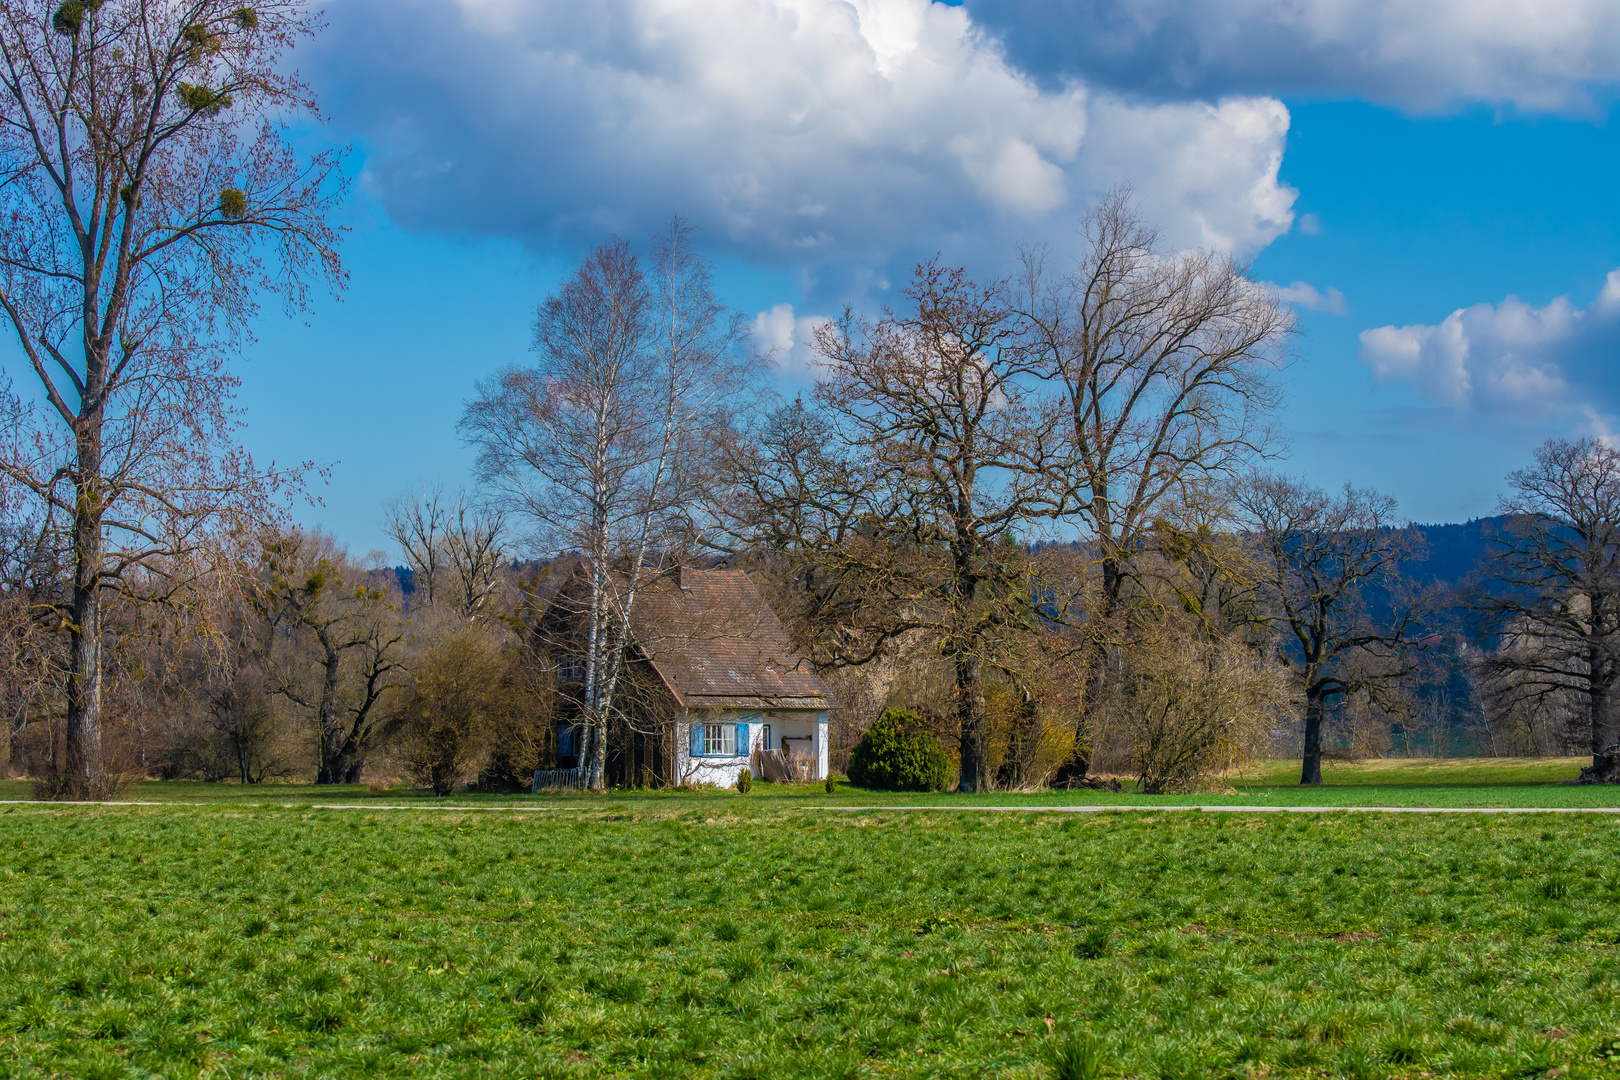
pixel 477 555
pixel 604 446
pixel 1165 360
pixel 1552 589
pixel 908 493
pixel 151 192
pixel 418 524
pixel 1319 558
pixel 353 640
pixel 32 584
pixel 455 547
pixel 232 674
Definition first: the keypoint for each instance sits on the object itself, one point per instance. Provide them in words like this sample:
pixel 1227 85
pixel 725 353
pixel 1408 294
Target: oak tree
pixel 1165 360
pixel 1551 588
pixel 1329 578
pixel 907 493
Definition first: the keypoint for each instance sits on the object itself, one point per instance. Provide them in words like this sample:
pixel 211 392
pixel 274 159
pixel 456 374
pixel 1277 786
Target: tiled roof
pixel 717 644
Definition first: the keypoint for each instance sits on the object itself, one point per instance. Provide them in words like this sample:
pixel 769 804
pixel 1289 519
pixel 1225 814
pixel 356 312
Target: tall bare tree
pixel 151 192
pixel 908 493
pixel 1165 360
pixel 1320 559
pixel 1552 586
pixel 605 445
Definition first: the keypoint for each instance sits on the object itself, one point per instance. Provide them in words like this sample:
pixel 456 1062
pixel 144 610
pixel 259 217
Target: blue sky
pixel 1426 162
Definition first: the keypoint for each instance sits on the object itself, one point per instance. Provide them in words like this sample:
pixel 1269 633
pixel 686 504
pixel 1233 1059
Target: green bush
pixel 896 754
pixel 745 782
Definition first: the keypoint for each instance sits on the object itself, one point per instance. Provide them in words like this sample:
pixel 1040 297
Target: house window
pixel 720 740
pixel 765 737
pixel 723 740
pixel 571 668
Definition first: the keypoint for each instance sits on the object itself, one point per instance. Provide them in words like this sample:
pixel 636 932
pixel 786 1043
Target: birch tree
pixel 151 193
pixel 605 444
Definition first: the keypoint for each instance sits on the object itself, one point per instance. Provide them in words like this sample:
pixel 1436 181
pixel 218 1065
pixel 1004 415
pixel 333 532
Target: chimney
pixel 685 579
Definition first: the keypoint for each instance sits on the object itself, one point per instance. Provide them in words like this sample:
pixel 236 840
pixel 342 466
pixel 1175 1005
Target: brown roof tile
pixel 717 644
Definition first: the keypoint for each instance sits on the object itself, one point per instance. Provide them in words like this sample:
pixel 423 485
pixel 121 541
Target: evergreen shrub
pixel 898 754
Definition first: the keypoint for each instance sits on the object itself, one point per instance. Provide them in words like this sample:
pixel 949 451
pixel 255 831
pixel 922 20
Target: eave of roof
pixel 714 701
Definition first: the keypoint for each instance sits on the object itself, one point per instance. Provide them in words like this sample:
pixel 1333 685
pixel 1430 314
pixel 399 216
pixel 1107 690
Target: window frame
pixel 721 733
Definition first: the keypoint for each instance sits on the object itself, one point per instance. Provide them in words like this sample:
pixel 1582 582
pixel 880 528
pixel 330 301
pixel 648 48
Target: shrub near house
pixel 896 754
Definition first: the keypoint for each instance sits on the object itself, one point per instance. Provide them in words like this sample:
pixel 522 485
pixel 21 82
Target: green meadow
pixel 745 937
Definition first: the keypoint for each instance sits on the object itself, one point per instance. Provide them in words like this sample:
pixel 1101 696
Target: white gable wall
pixel 805 729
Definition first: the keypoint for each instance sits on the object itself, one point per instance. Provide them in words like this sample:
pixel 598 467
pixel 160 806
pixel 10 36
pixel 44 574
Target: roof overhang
pixel 714 701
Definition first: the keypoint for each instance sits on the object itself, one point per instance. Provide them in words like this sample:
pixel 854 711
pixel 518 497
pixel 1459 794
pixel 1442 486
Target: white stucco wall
pixel 808 727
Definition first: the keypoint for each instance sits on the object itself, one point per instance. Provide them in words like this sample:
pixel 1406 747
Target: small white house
pixel 731 692
pixel 745 698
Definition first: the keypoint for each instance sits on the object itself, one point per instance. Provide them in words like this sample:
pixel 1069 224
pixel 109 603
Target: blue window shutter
pixel 742 740
pixel 697 739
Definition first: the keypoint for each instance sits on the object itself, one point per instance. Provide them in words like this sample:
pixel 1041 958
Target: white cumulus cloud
pixel 830 133
pixel 1514 359
pixel 790 339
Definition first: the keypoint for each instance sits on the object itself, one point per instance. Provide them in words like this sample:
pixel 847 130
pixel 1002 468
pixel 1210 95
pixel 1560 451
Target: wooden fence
pixel 775 765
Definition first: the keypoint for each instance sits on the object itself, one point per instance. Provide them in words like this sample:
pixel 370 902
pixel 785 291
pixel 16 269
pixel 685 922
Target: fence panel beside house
pixel 559 780
pixel 777 766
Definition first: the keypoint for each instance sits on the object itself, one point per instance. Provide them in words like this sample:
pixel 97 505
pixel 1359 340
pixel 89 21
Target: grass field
pixel 744 938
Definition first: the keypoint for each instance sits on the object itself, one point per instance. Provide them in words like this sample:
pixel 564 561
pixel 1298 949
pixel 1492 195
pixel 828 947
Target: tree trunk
pixel 351 758
pixel 1074 770
pixel 596 755
pixel 1597 698
pixel 347 762
pixel 332 763
pixel 975 773
pixel 1315 708
pixel 82 767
